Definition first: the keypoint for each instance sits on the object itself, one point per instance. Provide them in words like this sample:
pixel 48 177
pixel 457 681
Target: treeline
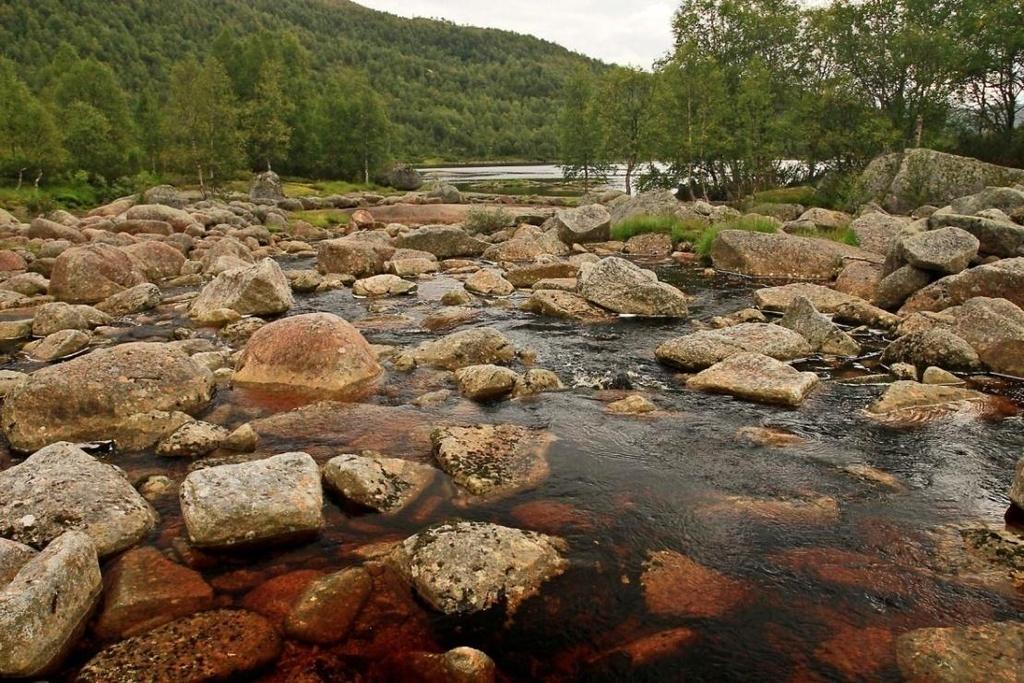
pixel 765 93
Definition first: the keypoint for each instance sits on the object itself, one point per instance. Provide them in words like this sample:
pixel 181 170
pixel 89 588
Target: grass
pixel 843 234
pixel 680 230
pixel 323 218
pixel 488 221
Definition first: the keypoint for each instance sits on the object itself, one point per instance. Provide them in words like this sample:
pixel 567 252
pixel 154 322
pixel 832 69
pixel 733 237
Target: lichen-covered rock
pixel 899 285
pixel 266 186
pixel 155 260
pixel 623 287
pixel 492 460
pixel 61 488
pixel 91 273
pixel 383 285
pixel 57 316
pixel 877 232
pixel 489 282
pixel 134 300
pixel 486 382
pixel 755 377
pixel 987 652
pixel 946 250
pixel 466 567
pixel 1000 280
pixel 820 332
pixel 567 305
pixel 995 330
pixel 355 256
pixel 703 349
pixel 260 289
pixel 383 484
pixel 778 255
pixel 939 347
pixel 270 500
pixel 591 223
pixel 479 346
pixel 442 241
pixel 1002 238
pixel 841 306
pixel 13 556
pixel 193 439
pixel 45 608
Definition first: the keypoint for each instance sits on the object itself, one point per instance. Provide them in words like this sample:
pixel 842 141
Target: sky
pixel 628 32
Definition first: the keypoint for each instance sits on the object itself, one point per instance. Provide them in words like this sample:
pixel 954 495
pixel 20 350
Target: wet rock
pixel 261 289
pixel 326 611
pixel 781 256
pixel 527 276
pixel 676 586
pixel 1017 489
pixel 946 250
pixel 489 282
pixel 384 484
pixel 61 488
pixel 442 241
pixel 134 300
pixel 986 652
pixel 935 375
pixel 275 597
pixel 270 500
pixel 829 301
pixel 465 567
pixel 58 345
pixel 898 286
pixel 937 347
pixel 189 649
pixel 910 396
pixel 383 285
pixel 460 665
pixel 193 439
pixel 632 405
pixel 567 305
pixel 590 223
pixel 461 349
pixel 492 460
pixel 92 273
pixel 623 287
pixel 486 382
pixel 804 319
pixel 97 395
pixel 536 381
pixel 651 648
pixel 315 352
pixel 1002 279
pixel 145 590
pixel 45 607
pixel 703 349
pixel 756 377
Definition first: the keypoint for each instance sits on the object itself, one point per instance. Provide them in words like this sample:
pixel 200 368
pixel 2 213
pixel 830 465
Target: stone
pixel 878 232
pixel 383 484
pixel 676 586
pixel 705 348
pixel 992 652
pixel 325 612
pixel 820 332
pixel 190 649
pixel 45 608
pixel 91 273
pixel 649 245
pixel 168 195
pixel 939 347
pixel 905 371
pixel 1002 279
pixel 825 300
pixel 527 276
pixel 946 250
pixel 480 346
pixel 566 305
pixel 460 665
pixel 61 488
pixel 1017 487
pixel 58 345
pixel 134 300
pixel 227 249
pixel 996 237
pixel 486 382
pixel 492 460
pixel 51 230
pixel 243 440
pixel 94 397
pixel 404 178
pixel 860 279
pixel 655 203
pixel 354 256
pixel 314 352
pixel 590 223
pixel 383 285
pixel 995 330
pixel 193 439
pixel 898 286
pixel 632 405
pixel 623 287
pixel 11 261
pixel 1004 199
pixel 778 255
pixel 447 193
pixel 260 289
pixel 155 260
pixel 934 375
pixel 28 284
pixel 145 590
pixel 909 396
pixel 266 186
pixel 756 377
pixel 468 567
pixel 516 250
pixel 536 381
pixel 442 241
pixel 489 282
pixel 13 556
pixel 271 500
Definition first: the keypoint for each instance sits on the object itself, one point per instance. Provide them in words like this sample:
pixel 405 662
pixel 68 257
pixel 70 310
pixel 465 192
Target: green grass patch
pixel 488 221
pixel 323 218
pixel 843 234
pixel 702 246
pixel 681 230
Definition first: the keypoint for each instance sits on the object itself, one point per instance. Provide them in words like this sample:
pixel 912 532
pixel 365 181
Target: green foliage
pixel 680 230
pixel 627 118
pixel 580 144
pixel 29 139
pixel 842 234
pixel 323 218
pixel 488 220
pixel 803 194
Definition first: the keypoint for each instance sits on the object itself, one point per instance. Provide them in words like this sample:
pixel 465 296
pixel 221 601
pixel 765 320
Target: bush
pixel 748 223
pixel 807 196
pixel 488 220
pixel 680 230
pixel 842 192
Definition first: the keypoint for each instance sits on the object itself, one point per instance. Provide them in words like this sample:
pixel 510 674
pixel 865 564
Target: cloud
pixel 635 33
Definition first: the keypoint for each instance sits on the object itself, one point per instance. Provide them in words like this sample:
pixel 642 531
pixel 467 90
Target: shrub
pixel 807 196
pixel 681 230
pixel 488 220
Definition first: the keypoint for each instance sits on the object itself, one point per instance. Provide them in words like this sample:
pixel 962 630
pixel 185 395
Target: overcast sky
pixel 634 32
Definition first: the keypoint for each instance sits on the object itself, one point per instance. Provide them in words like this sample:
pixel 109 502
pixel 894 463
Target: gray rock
pixel 442 241
pixel 261 289
pixel 703 349
pixel 61 488
pixel 486 382
pixel 448 194
pixel 995 329
pixel 946 250
pixel 461 349
pixel 623 287
pixel 755 377
pixel 383 484
pixel 193 439
pixel 263 501
pixel 492 460
pixel 1001 238
pixel 820 332
pixel 45 608
pixel 876 232
pixel 938 347
pixel 405 178
pixel 1000 280
pixel 266 186
pixel 1005 199
pixel 168 195
pixel 590 223
pixel 134 300
pixel 466 567
pixel 898 286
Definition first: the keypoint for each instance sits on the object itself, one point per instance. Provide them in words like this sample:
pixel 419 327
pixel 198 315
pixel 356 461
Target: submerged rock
pixel 383 484
pixel 623 287
pixel 911 396
pixel 703 349
pixel 756 377
pixel 986 652
pixel 492 460
pixel 327 609
pixel 486 382
pixel 676 586
pixel 465 567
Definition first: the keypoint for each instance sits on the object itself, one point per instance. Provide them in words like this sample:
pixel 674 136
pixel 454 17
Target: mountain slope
pixel 454 91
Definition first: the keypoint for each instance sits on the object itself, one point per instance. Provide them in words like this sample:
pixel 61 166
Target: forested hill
pixel 452 91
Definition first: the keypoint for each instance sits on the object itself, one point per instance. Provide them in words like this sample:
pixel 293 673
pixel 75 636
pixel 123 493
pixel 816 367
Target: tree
pixel 201 121
pixel 29 139
pixel 581 147
pixel 354 127
pixel 627 119
pixel 266 118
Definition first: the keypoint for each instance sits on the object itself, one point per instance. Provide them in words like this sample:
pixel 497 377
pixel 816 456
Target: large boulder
pixel 756 377
pixel 479 346
pixel 61 488
pixel 355 256
pixel 260 289
pixel 1005 199
pixel 178 219
pixel 899 285
pixel 1000 280
pixel 778 255
pixel 492 460
pixel 168 195
pixel 1000 238
pixel 266 186
pixel 623 287
pixel 91 273
pixel 467 567
pixel 46 607
pixel 876 232
pixel 906 180
pixel 317 352
pixel 104 395
pixel 591 223
pixel 703 349
pixel 404 177
pixel 985 652
pixel 155 260
pixel 939 348
pixel 819 331
pixel 946 250
pixel 271 500
pixel 995 330
pixel 656 203
pixel 442 241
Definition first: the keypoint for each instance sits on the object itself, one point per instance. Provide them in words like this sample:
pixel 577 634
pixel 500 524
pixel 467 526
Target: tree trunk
pixel 629 177
pixel 21 176
pixel 919 130
pixel 366 170
pixel 39 179
pixel 202 183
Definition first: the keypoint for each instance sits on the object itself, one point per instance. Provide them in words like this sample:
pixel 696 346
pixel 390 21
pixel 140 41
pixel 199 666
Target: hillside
pixel 453 92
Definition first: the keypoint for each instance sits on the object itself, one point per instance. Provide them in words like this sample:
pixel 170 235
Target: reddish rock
pixel 656 646
pixel 91 273
pixel 11 261
pixel 156 260
pixel 326 611
pixel 859 653
pixel 461 665
pixel 989 653
pixel 675 585
pixel 850 569
pixel 274 598
pixel 550 517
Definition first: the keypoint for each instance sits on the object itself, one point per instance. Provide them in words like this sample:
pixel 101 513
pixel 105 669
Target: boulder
pixel 210 646
pixel 492 460
pixel 819 331
pixel 527 276
pixel 986 652
pixel 703 349
pixel 938 347
pixel 383 484
pixel 354 256
pixel 327 609
pixel 946 250
pixel 155 260
pixel 623 287
pixel 260 289
pixel 229 249
pixel 486 382
pixel 446 193
pixel 442 241
pixel 567 305
pixel 276 499
pixel 1000 280
pixel 778 255
pixel 489 282
pixel 517 250
pixel 461 349
pixel 404 178
pixel 134 300
pixel 590 223
pixel 58 345
pixel 315 352
pixel 266 186
pixel 383 285
pixel 91 273
pixel 828 301
pixel 656 203
pixel 193 439
pixel 908 396
pixel 825 219
pixel 45 608
pixel 1001 238
pixel 42 228
pixel 13 556
pixel 1004 199
pixel 898 286
pixel 102 395
pixel 61 488
pixel 877 232
pixel 11 261
pixel 995 330
pixel 467 567
pixel 57 316
pixel 179 219
pixel 168 195
pixel 756 377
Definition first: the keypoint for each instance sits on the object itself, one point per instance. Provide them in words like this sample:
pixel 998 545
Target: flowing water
pixel 823 568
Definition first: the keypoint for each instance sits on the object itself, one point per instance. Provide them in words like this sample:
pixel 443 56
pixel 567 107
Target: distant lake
pixel 513 179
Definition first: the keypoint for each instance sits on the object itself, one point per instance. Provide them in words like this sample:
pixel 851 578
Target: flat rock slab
pixel 269 500
pixel 567 305
pixel 676 586
pixel 993 653
pixel 383 484
pixel 45 608
pixel 61 488
pixel 756 377
pixel 703 349
pixel 211 646
pixel 842 306
pixel 916 402
pixel 493 460
pixel 465 567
